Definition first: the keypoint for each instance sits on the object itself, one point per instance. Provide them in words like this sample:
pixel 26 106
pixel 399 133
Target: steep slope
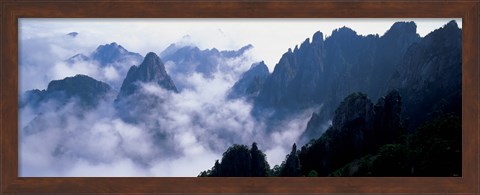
pixel 296 80
pixel 325 71
pixel 358 128
pixel 250 82
pixel 429 76
pixel 132 101
pixel 151 70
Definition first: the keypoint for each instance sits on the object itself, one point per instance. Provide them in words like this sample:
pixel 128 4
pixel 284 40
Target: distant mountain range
pixel 108 54
pixel 182 61
pixel 415 79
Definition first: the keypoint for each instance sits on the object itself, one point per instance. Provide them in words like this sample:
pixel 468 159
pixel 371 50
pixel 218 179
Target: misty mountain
pixel 84 89
pixel 131 98
pixel 151 70
pixel 109 62
pixel 112 53
pixel 78 58
pixel 109 54
pixel 250 82
pixel 182 61
pixel 332 80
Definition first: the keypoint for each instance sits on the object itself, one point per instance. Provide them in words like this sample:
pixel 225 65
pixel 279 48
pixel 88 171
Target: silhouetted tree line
pixel 366 145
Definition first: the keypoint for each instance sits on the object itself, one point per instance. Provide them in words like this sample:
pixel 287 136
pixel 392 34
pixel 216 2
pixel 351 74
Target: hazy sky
pixel 270 37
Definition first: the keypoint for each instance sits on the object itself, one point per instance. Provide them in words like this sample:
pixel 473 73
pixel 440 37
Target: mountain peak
pixel 77 58
pixel 113 52
pixel 343 31
pixel 251 82
pixel 151 70
pixel 151 57
pixel 317 37
pixel 402 28
pixel 451 24
pixel 260 64
pixel 86 88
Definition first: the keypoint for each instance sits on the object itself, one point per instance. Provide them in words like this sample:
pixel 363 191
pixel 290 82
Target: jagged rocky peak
pixel 250 82
pixel 317 37
pixel 114 47
pixel 151 59
pixel 151 70
pixel 356 109
pixel 430 73
pixel 402 27
pixel 401 34
pixel 133 104
pixel 451 24
pixel 343 32
pixel 259 67
pixel 358 128
pixel 113 52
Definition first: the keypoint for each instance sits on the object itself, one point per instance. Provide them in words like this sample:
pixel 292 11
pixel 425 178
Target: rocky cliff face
pixel 132 101
pixel 325 71
pixel 250 82
pixel 358 127
pixel 426 71
pixel 151 70
pixel 297 80
pixel 429 76
pixel 388 124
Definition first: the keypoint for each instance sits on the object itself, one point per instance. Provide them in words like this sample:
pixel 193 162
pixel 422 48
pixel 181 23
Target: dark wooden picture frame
pixel 468 10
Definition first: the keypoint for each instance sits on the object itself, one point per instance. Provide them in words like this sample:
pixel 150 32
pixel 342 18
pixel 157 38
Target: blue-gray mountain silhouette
pixel 80 88
pixel 427 75
pixel 250 82
pixel 325 71
pixel 132 102
pixel 151 70
pixel 190 59
pixel 111 53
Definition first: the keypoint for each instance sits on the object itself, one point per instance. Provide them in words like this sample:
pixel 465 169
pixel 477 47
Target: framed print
pixel 239 97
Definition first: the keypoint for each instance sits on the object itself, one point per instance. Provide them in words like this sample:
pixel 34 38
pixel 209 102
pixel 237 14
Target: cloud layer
pixel 181 136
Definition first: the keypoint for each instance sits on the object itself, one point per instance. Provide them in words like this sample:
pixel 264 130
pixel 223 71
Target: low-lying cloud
pixel 180 136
